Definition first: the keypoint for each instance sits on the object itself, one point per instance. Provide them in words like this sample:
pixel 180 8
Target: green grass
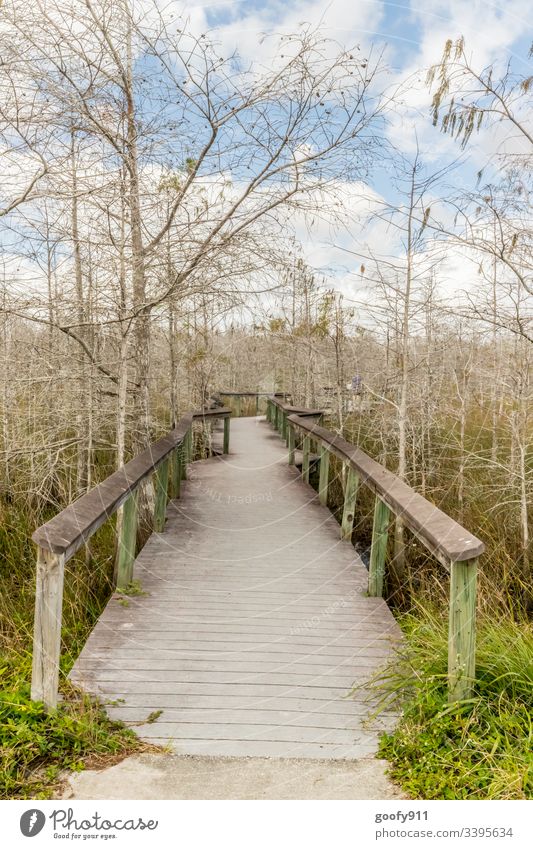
pixel 478 749
pixel 35 746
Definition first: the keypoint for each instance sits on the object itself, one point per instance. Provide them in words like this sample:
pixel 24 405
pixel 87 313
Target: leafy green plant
pixel 36 746
pixel 481 748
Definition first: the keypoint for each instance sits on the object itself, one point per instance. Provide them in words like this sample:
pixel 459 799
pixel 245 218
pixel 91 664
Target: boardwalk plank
pixel 254 626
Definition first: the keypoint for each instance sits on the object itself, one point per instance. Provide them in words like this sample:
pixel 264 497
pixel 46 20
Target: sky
pixel 412 35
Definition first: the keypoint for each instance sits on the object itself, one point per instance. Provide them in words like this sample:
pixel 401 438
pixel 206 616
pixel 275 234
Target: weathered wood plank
pixel 262 609
pixel 350 497
pixel 127 542
pixel 378 551
pixel 462 630
pixel 447 540
pixel 324 475
pixel 161 495
pixel 47 627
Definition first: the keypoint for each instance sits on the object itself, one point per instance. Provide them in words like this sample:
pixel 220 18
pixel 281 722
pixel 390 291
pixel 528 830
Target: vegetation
pixel 35 746
pixel 478 749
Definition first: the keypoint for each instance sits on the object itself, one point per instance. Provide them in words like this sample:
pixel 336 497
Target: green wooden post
pixel 238 406
pixel 462 630
pixel 183 458
pixel 285 429
pixel 292 444
pixel 127 542
pixel 175 473
pixel 225 447
pixel 378 550
pixel 350 497
pixel 160 486
pixel 305 458
pixel 324 475
pixel 257 405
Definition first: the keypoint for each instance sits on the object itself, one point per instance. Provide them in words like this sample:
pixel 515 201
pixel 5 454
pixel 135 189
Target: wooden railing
pixel 63 535
pixel 451 544
pixel 234 399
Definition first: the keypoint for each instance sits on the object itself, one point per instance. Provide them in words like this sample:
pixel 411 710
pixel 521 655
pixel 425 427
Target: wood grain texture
pixel 254 626
pixel 462 631
pixel 443 536
pixel 47 627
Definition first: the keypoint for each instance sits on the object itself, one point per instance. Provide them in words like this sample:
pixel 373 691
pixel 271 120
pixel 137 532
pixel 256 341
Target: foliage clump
pixel 481 748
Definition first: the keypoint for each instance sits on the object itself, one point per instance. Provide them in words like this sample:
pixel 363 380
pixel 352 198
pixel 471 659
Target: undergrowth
pixel 481 748
pixel 35 746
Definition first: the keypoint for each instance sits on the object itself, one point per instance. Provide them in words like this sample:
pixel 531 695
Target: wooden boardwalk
pixel 254 626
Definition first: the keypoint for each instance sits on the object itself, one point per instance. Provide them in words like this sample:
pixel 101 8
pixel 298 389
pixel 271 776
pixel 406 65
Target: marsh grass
pixel 481 748
pixel 35 746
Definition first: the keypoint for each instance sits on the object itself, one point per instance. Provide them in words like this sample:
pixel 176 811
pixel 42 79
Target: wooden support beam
pixel 350 498
pixel 160 486
pixel 324 475
pixel 305 458
pixel 238 406
pixel 127 543
pixel 175 473
pixel 378 550
pixel 225 447
pixel 462 630
pixel 47 627
pixel 183 459
pixel 292 444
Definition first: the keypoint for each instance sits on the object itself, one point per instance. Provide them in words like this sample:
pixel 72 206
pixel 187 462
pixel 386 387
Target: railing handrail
pixel 448 541
pixel 253 394
pixel 434 528
pixel 70 529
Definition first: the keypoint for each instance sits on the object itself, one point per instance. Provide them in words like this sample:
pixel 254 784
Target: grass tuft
pixel 481 748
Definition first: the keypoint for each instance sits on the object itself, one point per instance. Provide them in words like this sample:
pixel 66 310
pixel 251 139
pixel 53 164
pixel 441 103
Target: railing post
pixel 47 627
pixel 305 458
pixel 160 486
pixel 225 447
pixel 238 406
pixel 285 431
pixel 324 475
pixel 175 473
pixel 378 551
pixel 462 630
pixel 183 458
pixel 127 542
pixel 350 497
pixel 292 444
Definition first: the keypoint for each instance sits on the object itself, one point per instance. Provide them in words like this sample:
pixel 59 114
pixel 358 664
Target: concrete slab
pixel 154 776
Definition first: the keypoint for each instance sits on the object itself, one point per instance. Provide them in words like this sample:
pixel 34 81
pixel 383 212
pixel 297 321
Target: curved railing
pixel 454 547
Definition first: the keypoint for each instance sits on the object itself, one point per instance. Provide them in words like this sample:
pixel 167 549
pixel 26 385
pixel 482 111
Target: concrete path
pixel 178 777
